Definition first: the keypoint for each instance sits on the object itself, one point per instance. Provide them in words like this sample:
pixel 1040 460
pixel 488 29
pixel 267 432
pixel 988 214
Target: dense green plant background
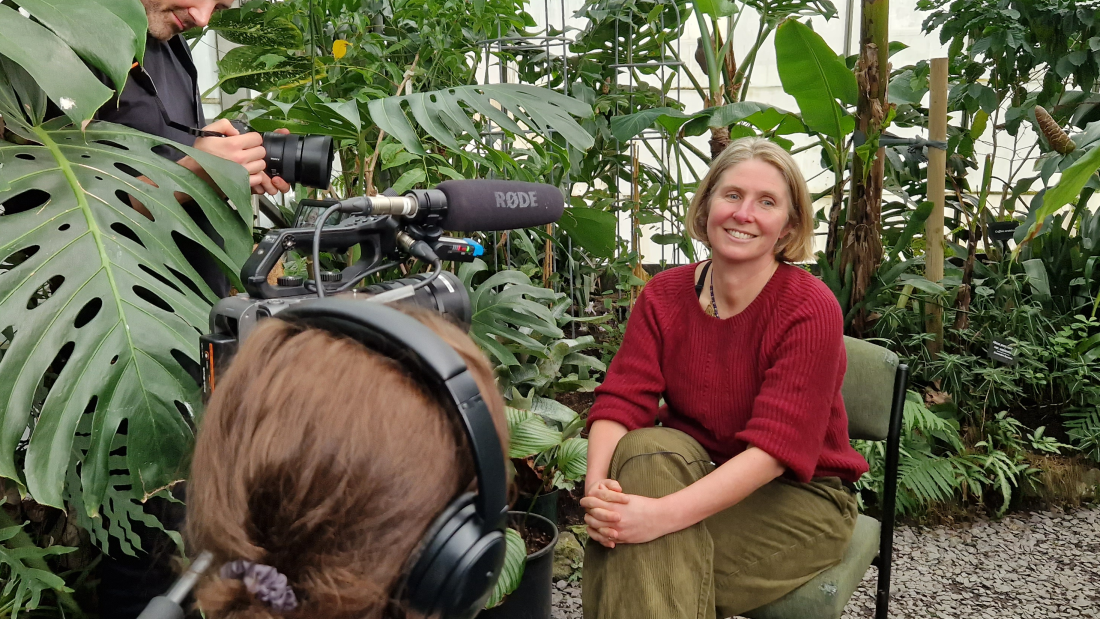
pixel 97 414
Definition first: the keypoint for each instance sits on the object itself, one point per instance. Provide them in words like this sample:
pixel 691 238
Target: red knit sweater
pixel 769 376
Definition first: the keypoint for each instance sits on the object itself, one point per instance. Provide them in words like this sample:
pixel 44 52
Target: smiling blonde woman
pixel 744 490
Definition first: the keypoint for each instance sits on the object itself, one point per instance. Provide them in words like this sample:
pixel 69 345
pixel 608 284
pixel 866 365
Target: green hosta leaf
pixel 244 67
pixel 532 436
pixel 515 559
pixel 573 458
pixel 515 416
pixel 519 374
pixel 124 302
pixel 592 229
pixel 562 348
pixel 52 64
pixel 248 27
pixel 582 360
pixel 552 410
pixel 111 50
pixel 445 114
pixel 816 77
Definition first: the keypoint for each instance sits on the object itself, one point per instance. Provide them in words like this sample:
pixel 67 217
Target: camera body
pixel 232 319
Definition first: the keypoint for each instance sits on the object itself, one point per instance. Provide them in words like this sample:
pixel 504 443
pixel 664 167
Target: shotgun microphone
pixel 469 205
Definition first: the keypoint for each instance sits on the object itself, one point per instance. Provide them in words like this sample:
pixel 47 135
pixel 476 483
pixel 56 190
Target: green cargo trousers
pixel 739 559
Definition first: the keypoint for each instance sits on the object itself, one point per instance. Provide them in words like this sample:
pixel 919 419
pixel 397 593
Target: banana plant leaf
pixel 1069 186
pixel 590 228
pixel 816 77
pixel 102 295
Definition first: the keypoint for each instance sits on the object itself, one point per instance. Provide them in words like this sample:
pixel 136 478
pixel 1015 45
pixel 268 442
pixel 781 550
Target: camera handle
pixel 170 605
pixel 377 235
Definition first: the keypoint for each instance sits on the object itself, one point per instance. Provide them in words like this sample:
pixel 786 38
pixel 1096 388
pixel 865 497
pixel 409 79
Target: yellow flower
pixel 340 48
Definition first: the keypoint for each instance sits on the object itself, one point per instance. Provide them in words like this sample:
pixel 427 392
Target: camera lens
pixel 305 159
pixel 446 295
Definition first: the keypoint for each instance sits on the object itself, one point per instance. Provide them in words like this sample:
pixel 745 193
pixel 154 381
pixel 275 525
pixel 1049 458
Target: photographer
pixel 312 483
pixel 161 91
pixel 167 80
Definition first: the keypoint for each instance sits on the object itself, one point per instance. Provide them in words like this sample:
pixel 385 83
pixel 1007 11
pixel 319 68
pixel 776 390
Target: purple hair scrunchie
pixel 263 581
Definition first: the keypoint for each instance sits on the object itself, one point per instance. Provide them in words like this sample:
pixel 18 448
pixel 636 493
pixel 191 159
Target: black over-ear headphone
pixel 461 554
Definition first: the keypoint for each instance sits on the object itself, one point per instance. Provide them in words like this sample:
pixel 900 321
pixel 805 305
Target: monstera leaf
pixel 445 114
pixel 507 311
pixel 98 296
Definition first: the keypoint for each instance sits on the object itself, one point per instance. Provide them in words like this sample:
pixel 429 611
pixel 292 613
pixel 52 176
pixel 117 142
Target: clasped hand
pixel 614 517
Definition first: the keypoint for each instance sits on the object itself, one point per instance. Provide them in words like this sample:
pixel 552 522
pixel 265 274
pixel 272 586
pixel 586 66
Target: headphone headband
pixel 405 339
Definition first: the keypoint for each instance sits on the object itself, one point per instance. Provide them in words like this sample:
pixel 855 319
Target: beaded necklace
pixel 713 303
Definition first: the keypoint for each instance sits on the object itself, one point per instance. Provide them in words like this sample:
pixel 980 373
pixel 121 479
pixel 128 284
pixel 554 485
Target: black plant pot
pixel 546 505
pixel 533 597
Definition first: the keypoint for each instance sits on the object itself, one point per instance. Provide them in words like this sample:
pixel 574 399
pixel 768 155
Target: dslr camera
pixel 388 229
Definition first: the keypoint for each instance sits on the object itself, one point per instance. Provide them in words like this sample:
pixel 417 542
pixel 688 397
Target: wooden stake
pixel 937 166
pixel 547 262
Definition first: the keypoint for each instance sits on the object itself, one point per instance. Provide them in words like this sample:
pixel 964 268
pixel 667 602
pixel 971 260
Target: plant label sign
pixel 1002 350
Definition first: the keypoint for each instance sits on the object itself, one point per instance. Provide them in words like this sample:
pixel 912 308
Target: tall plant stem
pixel 862 247
pixel 368 187
pixel 712 61
pixel 962 303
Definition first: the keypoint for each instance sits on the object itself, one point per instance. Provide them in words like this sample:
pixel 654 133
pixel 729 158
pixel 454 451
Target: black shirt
pixel 165 85
pixel 164 90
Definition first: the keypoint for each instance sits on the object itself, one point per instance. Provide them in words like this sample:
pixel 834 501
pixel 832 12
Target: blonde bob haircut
pixel 796 245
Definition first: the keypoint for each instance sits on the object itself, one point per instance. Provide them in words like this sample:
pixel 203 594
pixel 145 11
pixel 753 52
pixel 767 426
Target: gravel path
pixel 1025 566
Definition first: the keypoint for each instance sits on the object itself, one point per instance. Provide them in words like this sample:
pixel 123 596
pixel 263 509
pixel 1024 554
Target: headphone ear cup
pixel 458 564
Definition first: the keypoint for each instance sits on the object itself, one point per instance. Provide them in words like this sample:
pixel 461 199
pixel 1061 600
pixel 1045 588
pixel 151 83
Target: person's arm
pixel 616 517
pixel 634 382
pixel 603 437
pixel 626 400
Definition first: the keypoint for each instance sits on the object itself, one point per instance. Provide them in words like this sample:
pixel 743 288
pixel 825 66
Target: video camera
pixel 387 228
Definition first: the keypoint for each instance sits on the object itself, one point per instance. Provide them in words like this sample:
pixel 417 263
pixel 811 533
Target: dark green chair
pixel 874 396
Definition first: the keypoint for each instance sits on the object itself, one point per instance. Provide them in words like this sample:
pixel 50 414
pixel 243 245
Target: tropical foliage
pixel 99 308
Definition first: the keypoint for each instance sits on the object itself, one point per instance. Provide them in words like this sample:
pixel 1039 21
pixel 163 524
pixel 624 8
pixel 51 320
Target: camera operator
pixel 312 483
pixel 164 88
pixel 167 78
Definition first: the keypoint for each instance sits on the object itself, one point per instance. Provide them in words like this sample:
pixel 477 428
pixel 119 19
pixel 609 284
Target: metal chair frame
pixel 890 490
